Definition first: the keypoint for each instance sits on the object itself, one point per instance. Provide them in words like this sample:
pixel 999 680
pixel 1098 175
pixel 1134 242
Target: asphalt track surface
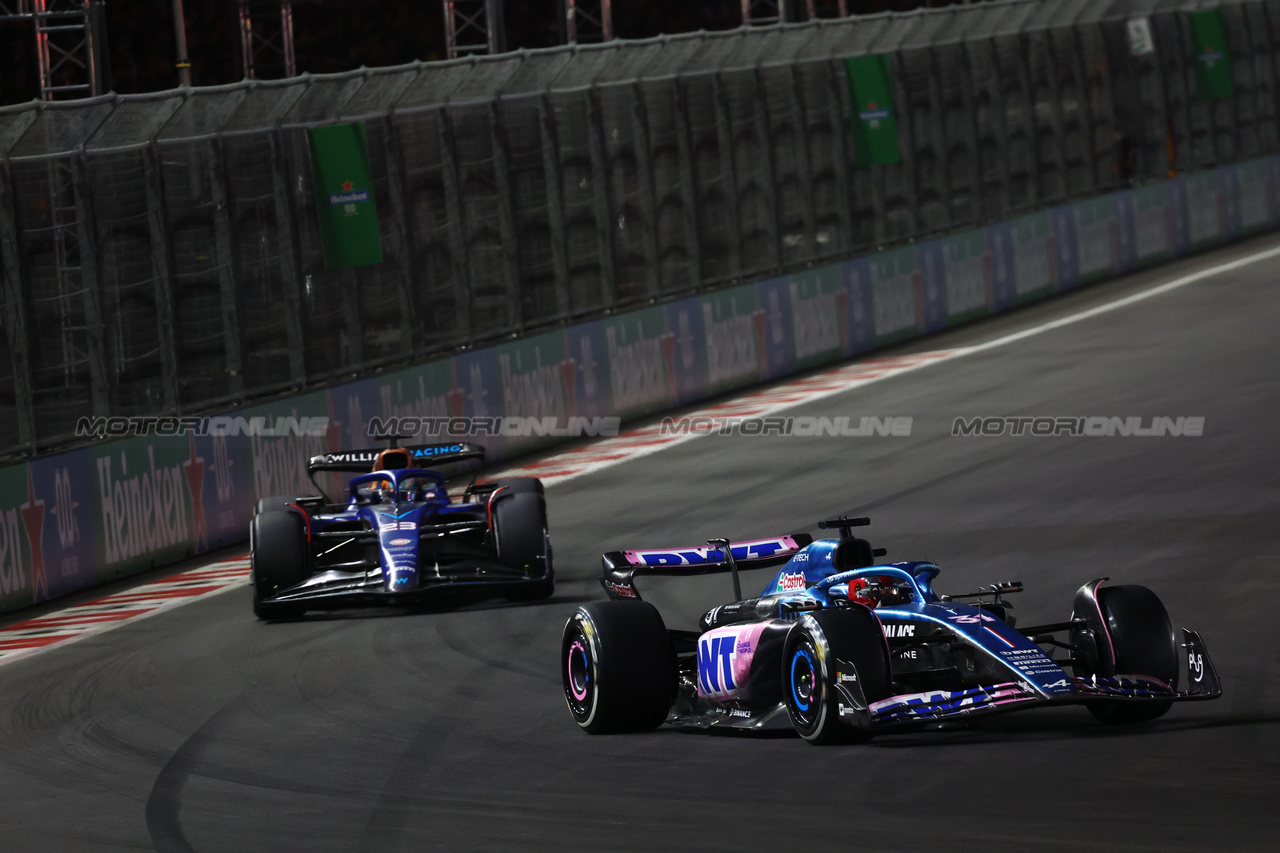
pixel 204 729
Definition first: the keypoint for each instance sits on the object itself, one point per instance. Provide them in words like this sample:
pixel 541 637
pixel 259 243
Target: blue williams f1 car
pixel 840 647
pixel 398 537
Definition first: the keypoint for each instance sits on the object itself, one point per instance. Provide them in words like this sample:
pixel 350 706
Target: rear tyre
pixel 822 650
pixel 520 531
pixel 280 559
pixel 618 667
pixel 1144 644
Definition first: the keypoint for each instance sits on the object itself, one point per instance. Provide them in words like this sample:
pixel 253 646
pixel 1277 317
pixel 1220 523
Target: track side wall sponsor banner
pixel 78 519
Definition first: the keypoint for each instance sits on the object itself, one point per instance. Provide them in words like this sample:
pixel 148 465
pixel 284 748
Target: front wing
pixel 343 587
pixel 938 705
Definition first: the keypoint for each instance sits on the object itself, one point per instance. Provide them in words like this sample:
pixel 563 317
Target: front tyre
pixel 279 560
pixel 1142 643
pixel 520 485
pixel 825 654
pixel 618 667
pixel 520 532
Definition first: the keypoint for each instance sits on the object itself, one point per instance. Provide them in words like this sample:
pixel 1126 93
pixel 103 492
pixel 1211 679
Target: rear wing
pixel 362 461
pixel 622 567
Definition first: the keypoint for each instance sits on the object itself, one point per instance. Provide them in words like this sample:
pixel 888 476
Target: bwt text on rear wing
pixel 719 555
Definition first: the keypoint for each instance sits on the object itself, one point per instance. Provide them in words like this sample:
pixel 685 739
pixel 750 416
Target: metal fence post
pixel 226 270
pixel 724 133
pixel 804 165
pixel 690 200
pixel 555 204
pixel 506 220
pixel 841 117
pixel 457 223
pixel 15 317
pixel 600 200
pixel 286 239
pixel 644 169
pixel 770 189
pixel 88 256
pixel 161 260
pixel 400 235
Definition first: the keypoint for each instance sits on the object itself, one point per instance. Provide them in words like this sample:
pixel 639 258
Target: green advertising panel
pixel 1255 205
pixel 1034 256
pixel 1095 239
pixel 1151 223
pixel 967 272
pixel 818 326
pixel 640 351
pixel 895 301
pixel 536 378
pixel 344 196
pixel 875 129
pixel 1213 61
pixel 733 326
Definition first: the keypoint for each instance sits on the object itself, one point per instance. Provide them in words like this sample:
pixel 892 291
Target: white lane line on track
pixel 102 614
pixel 64 626
pixel 1123 302
pixel 606 453
pixel 635 444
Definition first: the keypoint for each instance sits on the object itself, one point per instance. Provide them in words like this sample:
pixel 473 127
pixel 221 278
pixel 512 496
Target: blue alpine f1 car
pixel 840 646
pixel 398 537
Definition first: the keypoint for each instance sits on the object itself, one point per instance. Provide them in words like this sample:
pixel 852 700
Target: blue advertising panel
pixel 219 471
pixel 1179 233
pixel 1004 294
pixel 1066 258
pixel 932 273
pixel 855 276
pixel 351 406
pixel 684 321
pixel 57 519
pixel 1122 214
pixel 586 348
pixel 774 298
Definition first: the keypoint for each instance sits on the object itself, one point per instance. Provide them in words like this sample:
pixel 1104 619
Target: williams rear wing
pixel 622 567
pixel 362 461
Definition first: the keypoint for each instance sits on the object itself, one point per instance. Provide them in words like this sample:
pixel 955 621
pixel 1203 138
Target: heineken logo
pixel 1210 56
pixel 873 112
pixel 348 197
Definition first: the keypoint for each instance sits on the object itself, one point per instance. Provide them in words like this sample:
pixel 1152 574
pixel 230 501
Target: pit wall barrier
pixel 78 519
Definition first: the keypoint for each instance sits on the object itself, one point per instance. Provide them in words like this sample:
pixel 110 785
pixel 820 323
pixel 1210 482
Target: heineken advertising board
pixel 344 196
pixel 1212 59
pixel 875 129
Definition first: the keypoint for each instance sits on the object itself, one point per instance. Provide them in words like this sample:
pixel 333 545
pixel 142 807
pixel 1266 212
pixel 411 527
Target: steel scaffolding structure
pixel 473 28
pixel 162 253
pixel 765 13
pixel 266 39
pixel 68 51
pixel 588 21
